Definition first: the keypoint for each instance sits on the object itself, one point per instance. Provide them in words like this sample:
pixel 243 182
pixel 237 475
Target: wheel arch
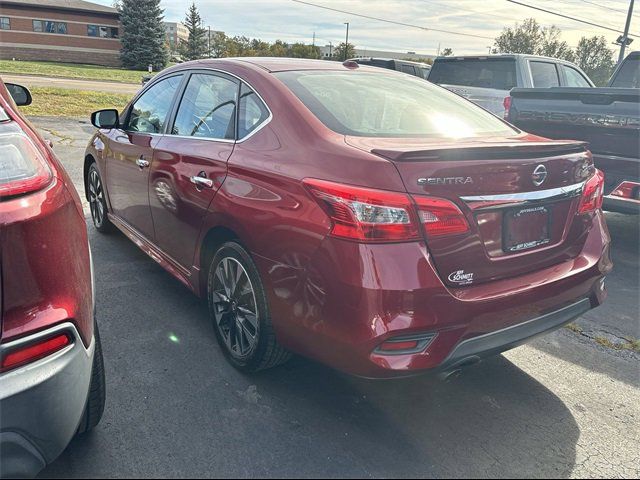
pixel 213 239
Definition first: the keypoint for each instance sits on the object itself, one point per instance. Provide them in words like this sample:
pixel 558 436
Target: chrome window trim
pixel 219 140
pixel 506 200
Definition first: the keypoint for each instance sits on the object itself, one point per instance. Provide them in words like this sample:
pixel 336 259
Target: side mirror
pixel 21 95
pixel 106 119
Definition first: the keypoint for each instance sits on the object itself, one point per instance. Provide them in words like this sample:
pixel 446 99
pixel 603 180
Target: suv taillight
pixel 379 216
pixel 22 167
pixel 506 103
pixel 592 194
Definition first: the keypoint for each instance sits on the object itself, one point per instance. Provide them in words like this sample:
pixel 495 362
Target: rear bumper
pixel 42 404
pixel 351 298
pixel 473 349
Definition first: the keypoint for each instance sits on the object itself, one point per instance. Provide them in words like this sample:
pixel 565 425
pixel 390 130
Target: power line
pixel 569 17
pixel 603 6
pixel 391 21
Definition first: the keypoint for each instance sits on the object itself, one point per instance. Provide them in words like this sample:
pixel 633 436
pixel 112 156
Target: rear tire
pixel 97 201
pixel 94 408
pixel 239 311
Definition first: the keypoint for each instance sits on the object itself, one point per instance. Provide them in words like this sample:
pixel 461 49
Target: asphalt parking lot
pixel 566 405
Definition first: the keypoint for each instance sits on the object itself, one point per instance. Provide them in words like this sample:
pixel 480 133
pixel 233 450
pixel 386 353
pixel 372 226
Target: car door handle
pixel 201 182
pixel 142 163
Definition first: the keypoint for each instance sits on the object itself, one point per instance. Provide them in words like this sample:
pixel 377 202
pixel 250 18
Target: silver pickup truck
pixel 487 79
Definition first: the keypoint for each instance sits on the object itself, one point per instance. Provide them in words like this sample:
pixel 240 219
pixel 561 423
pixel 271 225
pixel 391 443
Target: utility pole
pixel 330 50
pixel 314 39
pixel 624 40
pixel 209 43
pixel 346 43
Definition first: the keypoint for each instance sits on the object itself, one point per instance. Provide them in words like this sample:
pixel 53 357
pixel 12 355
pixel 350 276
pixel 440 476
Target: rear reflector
pixel 592 195
pixel 22 168
pixel 405 345
pixel 34 351
pixel 365 214
pixel 440 217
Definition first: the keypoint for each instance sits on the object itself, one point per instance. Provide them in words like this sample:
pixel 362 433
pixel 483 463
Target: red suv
pixel 51 371
pixel 361 217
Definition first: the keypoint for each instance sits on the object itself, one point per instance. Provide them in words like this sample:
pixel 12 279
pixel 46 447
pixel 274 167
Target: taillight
pixel 22 167
pixel 506 103
pixel 365 214
pixel 440 217
pixel 592 193
pixel 35 351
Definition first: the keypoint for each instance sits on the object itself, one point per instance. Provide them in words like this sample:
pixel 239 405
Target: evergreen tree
pixel 196 46
pixel 143 35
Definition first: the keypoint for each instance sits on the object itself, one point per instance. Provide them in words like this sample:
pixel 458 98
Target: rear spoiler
pixel 485 151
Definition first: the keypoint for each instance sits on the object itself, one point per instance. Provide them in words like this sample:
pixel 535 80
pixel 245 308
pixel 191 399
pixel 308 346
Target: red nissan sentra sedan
pixel 367 219
pixel 51 370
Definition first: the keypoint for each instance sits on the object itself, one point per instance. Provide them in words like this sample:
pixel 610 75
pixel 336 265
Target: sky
pixel 291 21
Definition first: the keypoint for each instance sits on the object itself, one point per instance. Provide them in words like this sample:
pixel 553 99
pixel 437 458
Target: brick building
pixel 71 31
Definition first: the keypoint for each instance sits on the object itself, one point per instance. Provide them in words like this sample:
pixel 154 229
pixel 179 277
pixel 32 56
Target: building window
pixel 5 23
pixel 102 32
pixel 47 26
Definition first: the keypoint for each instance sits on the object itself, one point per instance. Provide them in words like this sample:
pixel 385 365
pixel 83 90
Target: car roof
pixel 275 64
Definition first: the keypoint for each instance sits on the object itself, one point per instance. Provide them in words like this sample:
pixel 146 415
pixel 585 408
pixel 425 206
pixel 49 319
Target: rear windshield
pixel 499 74
pixel 629 74
pixel 389 105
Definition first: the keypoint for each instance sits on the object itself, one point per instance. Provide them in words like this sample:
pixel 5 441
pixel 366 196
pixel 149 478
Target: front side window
pixel 389 105
pixel 252 112
pixel 5 23
pixel 574 77
pixel 149 112
pixel 207 108
pixel 544 75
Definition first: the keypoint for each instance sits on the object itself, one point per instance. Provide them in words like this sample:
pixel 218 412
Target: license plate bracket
pixel 526 228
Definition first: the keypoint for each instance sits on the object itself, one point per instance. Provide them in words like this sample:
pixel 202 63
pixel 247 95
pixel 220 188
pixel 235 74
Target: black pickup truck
pixel 608 118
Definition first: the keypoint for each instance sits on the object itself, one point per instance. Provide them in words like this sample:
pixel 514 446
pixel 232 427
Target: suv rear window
pixel 499 74
pixel 384 104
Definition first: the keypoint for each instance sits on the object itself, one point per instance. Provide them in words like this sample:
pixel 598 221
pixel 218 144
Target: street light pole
pixel 346 43
pixel 624 40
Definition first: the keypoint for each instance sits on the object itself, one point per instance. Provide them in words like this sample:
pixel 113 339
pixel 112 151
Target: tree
pixel 447 52
pixel 522 38
pixel 143 35
pixel 301 50
pixel 218 45
pixel 343 51
pixel 595 58
pixel 278 49
pixel 195 46
pixel 552 46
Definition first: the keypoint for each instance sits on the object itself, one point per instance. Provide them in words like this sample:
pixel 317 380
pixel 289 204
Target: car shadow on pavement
pixel 176 408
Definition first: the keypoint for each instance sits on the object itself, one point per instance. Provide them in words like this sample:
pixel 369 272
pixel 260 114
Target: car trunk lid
pixel 519 196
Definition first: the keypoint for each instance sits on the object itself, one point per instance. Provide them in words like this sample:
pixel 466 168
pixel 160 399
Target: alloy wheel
pixel 235 308
pixel 96 198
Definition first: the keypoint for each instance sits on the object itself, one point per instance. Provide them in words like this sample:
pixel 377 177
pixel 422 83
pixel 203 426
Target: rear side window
pixel 574 77
pixel 149 112
pixel 252 112
pixel 499 74
pixel 384 104
pixel 544 74
pixel 207 108
pixel 629 74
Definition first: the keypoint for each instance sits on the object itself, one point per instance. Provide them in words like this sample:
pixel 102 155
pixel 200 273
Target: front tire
pixel 97 201
pixel 239 311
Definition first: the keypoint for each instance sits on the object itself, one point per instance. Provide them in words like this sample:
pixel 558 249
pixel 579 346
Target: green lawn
pixel 60 102
pixel 69 70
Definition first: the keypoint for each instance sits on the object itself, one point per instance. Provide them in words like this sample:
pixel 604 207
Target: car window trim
pixel 125 125
pixel 188 72
pixel 180 95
